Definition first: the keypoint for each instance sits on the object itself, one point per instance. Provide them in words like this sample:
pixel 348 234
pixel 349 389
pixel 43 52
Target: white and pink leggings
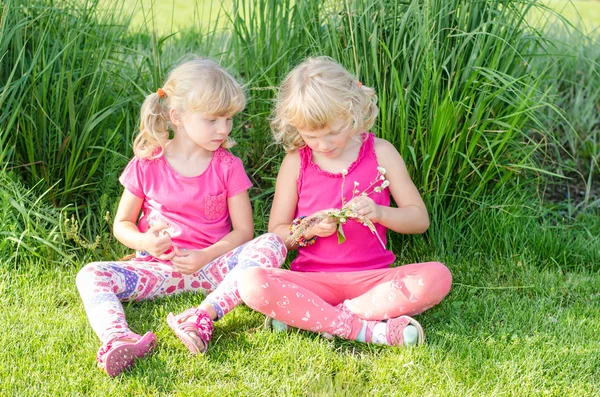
pixel 104 285
pixel 336 303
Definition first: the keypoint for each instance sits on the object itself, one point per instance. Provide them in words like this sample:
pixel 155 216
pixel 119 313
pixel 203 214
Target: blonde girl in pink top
pixel 348 290
pixel 185 210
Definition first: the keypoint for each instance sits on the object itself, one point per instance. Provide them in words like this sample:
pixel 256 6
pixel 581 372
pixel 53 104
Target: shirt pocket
pixel 215 206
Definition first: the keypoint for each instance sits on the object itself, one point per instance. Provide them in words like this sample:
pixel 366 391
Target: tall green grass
pixel 63 103
pixel 571 69
pixel 458 95
pixel 463 89
pixel 30 229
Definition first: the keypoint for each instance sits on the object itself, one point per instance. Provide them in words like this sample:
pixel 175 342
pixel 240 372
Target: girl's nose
pixel 224 128
pixel 323 146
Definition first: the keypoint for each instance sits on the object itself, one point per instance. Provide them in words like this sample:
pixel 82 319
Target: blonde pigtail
pixel 154 128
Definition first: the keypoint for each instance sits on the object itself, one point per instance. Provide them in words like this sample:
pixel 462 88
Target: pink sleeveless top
pixel 319 189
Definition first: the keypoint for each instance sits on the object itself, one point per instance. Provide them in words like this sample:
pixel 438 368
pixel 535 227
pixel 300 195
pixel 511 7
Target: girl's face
pixel 208 132
pixel 329 142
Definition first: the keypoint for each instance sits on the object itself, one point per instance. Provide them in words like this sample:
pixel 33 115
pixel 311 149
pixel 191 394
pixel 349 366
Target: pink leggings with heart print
pixel 337 303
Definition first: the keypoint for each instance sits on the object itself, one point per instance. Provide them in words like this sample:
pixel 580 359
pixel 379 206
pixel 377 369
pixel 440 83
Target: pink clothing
pixel 195 207
pixel 337 303
pixel 104 285
pixel 361 250
pixel 335 288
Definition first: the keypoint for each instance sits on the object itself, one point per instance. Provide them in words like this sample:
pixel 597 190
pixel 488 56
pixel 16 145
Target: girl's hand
pixel 365 206
pixel 156 241
pixel 188 262
pixel 325 228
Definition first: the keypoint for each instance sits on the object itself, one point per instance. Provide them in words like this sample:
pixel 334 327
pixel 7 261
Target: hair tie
pixel 161 93
pixel 359 84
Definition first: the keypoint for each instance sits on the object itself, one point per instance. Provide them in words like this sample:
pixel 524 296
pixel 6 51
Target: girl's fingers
pixel 166 257
pixel 180 252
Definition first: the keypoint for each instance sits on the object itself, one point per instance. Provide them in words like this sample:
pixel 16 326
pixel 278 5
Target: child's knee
pixel 270 248
pixel 436 282
pixel 89 276
pixel 276 243
pixel 430 283
pixel 253 286
pixel 443 277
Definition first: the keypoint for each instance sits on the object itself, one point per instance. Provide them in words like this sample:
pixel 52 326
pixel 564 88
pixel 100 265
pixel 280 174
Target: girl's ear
pixel 175 117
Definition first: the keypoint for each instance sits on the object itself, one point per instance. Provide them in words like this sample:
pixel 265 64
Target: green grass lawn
pixel 525 331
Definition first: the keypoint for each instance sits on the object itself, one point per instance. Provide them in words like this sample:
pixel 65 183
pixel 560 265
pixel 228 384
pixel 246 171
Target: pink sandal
pixel 400 331
pixel 194 333
pixel 116 355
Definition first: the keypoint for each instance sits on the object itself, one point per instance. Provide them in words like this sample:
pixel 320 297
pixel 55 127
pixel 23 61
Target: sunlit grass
pixel 170 16
pixel 584 15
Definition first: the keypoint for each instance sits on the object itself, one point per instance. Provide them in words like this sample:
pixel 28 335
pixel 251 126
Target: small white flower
pixel 385 184
pixel 344 172
pixel 377 189
pixel 343 220
pixel 381 170
pixel 364 194
pixel 356 183
pixel 382 178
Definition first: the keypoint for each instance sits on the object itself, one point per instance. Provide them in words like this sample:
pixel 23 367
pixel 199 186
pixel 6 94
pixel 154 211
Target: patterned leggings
pixel 337 303
pixel 104 285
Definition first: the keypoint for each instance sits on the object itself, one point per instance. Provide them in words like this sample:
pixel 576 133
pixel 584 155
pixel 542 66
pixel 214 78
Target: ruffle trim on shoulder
pixel 366 146
pixel 223 156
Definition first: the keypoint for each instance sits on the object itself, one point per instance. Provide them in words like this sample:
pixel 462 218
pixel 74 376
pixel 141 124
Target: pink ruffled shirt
pixel 318 190
pixel 195 207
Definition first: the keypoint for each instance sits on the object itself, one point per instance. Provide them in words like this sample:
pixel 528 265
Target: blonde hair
pixel 316 93
pixel 196 85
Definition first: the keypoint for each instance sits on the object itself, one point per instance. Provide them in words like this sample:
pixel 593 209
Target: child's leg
pixel 194 326
pixel 267 251
pixel 103 285
pixel 403 290
pixel 310 301
pixel 306 300
pixel 394 295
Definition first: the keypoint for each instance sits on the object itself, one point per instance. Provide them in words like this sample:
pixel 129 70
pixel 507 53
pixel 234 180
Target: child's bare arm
pixel 286 200
pixel 410 217
pixel 286 197
pixel 242 223
pixel 126 231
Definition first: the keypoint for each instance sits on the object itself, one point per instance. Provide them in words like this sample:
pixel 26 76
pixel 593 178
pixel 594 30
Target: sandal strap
pixel 395 328
pixel 114 342
pixel 203 325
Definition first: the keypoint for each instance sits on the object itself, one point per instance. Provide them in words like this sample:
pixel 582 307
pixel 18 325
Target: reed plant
pixel 463 90
pixel 457 94
pixel 570 66
pixel 30 229
pixel 62 100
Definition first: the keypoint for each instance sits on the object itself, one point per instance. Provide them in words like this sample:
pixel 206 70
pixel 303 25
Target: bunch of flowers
pixel 345 213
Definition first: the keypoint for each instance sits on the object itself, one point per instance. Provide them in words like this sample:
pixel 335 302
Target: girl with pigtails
pixel 185 210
